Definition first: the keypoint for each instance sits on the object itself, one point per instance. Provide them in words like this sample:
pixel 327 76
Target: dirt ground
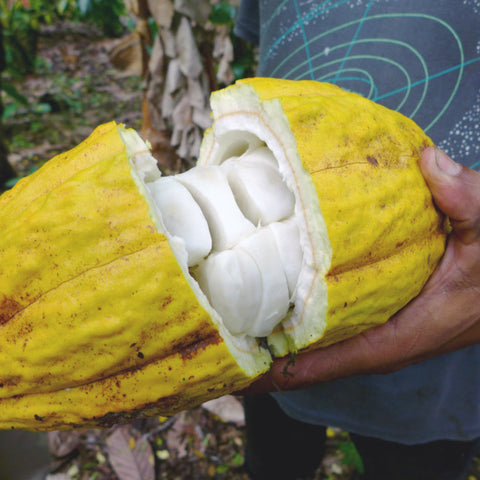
pixel 75 89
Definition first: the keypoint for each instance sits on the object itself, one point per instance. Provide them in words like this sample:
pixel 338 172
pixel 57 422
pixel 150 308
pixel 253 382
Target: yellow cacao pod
pixel 101 319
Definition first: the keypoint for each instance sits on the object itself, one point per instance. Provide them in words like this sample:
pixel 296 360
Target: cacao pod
pixel 103 318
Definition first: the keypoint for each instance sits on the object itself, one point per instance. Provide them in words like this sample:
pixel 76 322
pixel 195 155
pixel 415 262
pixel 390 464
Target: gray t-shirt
pixel 421 58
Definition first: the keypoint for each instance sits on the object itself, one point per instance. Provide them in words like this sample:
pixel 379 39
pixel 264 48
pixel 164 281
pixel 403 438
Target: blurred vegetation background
pixel 69 65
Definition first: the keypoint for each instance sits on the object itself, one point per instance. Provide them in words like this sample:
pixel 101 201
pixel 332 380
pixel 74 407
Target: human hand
pixel 444 317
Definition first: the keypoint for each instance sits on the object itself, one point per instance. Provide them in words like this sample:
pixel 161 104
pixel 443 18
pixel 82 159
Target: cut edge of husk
pixel 241 116
pixel 251 357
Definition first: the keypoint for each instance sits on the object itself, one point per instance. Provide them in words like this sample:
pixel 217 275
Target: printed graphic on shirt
pixel 420 58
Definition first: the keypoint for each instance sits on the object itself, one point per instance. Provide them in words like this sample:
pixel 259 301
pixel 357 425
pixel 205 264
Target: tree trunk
pixel 189 58
pixel 6 170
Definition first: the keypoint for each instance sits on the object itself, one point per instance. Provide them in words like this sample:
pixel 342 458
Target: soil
pixel 75 89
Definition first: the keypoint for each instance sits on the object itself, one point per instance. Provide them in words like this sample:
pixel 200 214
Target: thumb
pixel 456 191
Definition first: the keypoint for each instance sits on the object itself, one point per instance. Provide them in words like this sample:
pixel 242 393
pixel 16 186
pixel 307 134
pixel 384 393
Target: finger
pixel 404 340
pixel 408 337
pixel 456 191
pixel 371 352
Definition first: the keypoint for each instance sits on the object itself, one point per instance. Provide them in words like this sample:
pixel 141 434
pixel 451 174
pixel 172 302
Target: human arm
pixel 443 318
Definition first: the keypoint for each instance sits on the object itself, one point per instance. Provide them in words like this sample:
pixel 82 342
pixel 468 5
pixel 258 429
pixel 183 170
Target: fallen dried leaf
pixel 177 437
pixel 128 463
pixel 227 408
pixel 58 476
pixel 63 443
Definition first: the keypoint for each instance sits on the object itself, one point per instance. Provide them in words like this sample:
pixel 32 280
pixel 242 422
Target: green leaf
pixel 222 469
pixel 42 108
pixel 36 125
pixel 62 6
pixel 238 70
pixel 222 14
pixel 11 183
pixel 14 72
pixel 84 6
pixel 11 91
pixel 238 459
pixel 9 110
pixel 351 456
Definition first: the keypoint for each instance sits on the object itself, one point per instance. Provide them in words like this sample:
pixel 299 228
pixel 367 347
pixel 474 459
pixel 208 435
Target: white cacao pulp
pixel 237 224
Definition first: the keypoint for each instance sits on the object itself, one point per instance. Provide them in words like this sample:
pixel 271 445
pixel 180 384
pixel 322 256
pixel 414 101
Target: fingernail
pixel 446 164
